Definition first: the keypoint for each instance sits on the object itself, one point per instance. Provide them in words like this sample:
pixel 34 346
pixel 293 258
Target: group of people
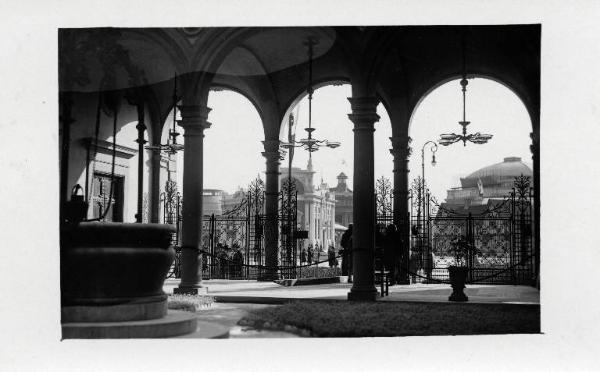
pixel 229 264
pixel 312 255
pixel 388 251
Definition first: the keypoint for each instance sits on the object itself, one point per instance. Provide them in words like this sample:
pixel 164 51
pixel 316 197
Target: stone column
pixel 193 121
pixel 364 115
pixel 401 152
pixel 141 128
pixel 535 157
pixel 66 102
pixel 271 227
pixel 155 157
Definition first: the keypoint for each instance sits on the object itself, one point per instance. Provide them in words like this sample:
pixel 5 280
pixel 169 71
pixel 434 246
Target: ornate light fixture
pixel 477 138
pixel 310 144
pixel 171 147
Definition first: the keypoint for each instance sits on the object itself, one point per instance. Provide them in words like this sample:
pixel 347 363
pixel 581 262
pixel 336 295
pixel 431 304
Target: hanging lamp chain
pixel 447 139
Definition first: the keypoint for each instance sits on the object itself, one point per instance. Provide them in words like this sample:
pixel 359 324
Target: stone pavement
pixel 235 298
pixel 246 291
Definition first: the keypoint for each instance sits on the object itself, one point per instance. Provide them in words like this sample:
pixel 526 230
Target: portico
pixel 395 66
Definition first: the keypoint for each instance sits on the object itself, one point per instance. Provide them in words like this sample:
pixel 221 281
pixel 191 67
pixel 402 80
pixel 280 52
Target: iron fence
pixel 233 243
pixel 502 234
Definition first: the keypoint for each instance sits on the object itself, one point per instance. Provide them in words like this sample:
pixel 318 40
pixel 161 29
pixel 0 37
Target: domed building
pixel 487 184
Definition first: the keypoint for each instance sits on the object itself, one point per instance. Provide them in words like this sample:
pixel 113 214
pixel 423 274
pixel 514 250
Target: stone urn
pixel 114 272
pixel 458 278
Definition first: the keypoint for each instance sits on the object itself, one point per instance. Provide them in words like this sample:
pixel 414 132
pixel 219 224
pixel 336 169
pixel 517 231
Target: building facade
pixel 316 206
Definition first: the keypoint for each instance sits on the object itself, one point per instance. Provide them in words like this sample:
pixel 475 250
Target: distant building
pixel 486 186
pixel 343 207
pixel 316 206
pixel 230 201
pixel 343 201
pixel 212 202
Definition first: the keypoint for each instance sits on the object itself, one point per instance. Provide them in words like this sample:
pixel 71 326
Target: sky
pixel 232 153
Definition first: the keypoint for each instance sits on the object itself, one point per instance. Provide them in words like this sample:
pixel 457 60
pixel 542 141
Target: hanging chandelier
pixel 171 147
pixel 309 143
pixel 477 138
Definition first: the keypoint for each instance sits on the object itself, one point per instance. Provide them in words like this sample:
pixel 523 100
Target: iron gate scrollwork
pixel 288 222
pixel 384 200
pixel 170 200
pixel 233 243
pixel 502 233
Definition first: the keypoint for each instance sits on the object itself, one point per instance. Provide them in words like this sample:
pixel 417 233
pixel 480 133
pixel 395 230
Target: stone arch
pixel 301 93
pixel 518 93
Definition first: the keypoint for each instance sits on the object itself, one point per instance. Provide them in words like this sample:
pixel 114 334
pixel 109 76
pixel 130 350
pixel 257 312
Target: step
pixel 175 323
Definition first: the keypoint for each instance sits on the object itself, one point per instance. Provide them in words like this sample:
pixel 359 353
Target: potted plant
pixel 460 249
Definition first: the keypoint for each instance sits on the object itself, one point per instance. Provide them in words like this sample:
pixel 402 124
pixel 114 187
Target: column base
pixel 362 295
pixel 191 290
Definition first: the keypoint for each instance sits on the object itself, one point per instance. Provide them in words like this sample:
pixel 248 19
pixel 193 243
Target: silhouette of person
pixel 346 243
pixel 302 255
pixel 390 248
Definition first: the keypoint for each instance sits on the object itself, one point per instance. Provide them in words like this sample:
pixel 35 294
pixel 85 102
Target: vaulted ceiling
pixel 400 64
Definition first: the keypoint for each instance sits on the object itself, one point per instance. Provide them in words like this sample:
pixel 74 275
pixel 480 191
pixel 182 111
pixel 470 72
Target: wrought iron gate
pixel 233 243
pixel 502 234
pixel 288 222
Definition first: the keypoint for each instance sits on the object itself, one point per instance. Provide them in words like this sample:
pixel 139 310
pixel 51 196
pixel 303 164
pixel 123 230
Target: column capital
pixel 364 112
pixel 193 118
pixel 401 147
pixel 273 157
pixel 363 104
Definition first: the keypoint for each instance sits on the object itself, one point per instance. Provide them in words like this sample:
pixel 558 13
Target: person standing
pixel 390 247
pixel 346 243
pixel 331 256
pixel 238 263
pixel 303 256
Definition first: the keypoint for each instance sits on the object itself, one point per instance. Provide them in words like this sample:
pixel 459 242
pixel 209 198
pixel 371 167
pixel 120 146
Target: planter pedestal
pixel 458 277
pixel 112 275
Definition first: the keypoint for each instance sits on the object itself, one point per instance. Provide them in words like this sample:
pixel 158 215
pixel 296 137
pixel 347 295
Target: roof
pixel 464 210
pixel 511 167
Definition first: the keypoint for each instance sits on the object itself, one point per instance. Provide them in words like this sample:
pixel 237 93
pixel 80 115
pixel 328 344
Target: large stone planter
pixel 114 272
pixel 458 278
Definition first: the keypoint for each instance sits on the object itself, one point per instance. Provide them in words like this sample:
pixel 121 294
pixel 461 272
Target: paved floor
pixel 270 293
pixel 235 298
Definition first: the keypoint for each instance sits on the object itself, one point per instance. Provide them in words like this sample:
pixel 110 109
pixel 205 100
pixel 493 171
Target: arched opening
pixel 233 144
pixel 491 108
pixel 469 195
pixel 332 169
pixel 232 147
pixel 318 205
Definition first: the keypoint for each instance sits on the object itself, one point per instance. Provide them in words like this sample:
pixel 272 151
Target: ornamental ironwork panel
pixel 501 233
pixel 288 222
pixel 170 204
pixel 384 197
pixel 233 243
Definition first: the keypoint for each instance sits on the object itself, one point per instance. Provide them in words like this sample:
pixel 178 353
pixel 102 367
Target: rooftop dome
pixel 511 167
